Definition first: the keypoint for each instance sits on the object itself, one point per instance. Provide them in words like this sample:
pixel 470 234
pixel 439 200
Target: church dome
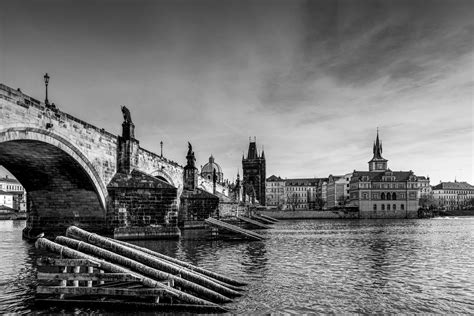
pixel 207 170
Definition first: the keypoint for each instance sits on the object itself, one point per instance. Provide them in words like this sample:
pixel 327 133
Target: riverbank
pixel 458 213
pixel 311 214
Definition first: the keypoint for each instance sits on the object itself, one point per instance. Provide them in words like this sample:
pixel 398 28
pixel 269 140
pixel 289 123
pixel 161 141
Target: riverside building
pixel 275 187
pixel 12 194
pixel 453 195
pixel 383 193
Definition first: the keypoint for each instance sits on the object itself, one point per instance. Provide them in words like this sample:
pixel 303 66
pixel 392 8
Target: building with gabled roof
pixel 383 193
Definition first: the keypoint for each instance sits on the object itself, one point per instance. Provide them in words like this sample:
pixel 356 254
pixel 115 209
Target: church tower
pixel 378 163
pixel 254 174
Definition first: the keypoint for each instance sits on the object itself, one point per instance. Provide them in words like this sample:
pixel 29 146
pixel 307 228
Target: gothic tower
pixel 378 163
pixel 254 174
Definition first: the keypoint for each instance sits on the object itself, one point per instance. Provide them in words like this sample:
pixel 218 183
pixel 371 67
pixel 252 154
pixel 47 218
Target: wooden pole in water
pixel 215 277
pixel 150 261
pixel 141 268
pixel 45 244
pixel 194 268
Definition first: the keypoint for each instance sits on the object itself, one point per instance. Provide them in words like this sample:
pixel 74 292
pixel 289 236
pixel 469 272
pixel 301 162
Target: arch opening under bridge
pixel 63 187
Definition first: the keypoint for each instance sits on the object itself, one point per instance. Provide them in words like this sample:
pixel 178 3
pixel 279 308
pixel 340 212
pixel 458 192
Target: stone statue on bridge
pixel 190 156
pixel 126 115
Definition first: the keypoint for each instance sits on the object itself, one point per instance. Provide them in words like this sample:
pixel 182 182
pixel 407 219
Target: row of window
pixel 11 187
pixel 458 197
pixel 457 192
pixel 382 196
pixel 274 190
pixel 394 207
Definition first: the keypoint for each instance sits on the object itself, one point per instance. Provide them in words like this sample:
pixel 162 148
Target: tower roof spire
pixel 378 147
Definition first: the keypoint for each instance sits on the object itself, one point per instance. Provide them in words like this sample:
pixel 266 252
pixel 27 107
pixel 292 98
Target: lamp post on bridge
pixel 161 145
pixel 46 81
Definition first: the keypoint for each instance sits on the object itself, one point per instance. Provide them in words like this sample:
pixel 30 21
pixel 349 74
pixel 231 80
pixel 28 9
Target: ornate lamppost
pixel 46 81
pixel 161 145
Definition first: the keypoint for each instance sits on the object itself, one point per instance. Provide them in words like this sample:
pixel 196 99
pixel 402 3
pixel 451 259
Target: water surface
pixel 337 266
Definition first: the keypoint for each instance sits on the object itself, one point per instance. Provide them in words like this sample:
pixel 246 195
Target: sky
pixel 311 80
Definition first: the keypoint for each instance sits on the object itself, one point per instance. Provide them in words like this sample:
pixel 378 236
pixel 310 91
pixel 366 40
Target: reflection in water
pixel 255 253
pixel 373 266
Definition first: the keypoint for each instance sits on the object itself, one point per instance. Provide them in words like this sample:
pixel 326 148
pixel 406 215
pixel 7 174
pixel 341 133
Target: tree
pixel 428 202
pixel 293 201
pixel 469 203
pixel 319 202
pixel 342 200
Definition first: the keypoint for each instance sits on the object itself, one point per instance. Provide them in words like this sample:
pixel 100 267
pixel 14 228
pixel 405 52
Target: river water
pixel 321 266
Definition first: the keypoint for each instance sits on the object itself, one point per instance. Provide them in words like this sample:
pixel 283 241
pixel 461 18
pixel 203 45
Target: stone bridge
pixel 66 165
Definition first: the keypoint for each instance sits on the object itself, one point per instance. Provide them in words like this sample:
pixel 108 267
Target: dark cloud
pixel 357 42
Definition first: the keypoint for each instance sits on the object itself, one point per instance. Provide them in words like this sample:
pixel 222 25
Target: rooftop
pixel 453 186
pixel 377 175
pixel 274 178
pixel 9 180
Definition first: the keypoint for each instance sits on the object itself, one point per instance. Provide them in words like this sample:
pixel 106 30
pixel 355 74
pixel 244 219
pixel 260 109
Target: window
pixel 394 196
pixel 388 196
pixel 375 207
pixel 402 206
pixel 388 207
pixel 383 207
pixel 394 207
pixel 382 196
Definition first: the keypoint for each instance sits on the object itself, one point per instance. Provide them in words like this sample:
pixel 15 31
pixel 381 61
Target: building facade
pixel 424 187
pixel 6 199
pixel 453 195
pixel 275 187
pixel 301 193
pixel 337 193
pixel 13 190
pixel 382 193
pixel 254 171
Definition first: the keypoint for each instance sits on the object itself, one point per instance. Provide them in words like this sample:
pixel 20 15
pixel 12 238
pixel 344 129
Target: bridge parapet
pixel 63 161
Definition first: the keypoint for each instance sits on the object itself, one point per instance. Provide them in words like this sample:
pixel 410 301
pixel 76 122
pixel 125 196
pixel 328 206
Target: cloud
pixel 311 79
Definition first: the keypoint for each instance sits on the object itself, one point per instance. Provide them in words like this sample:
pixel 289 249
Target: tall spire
pixel 378 147
pixel 377 163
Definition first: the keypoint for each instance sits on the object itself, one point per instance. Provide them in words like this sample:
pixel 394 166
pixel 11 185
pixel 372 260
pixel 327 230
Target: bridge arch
pixel 58 177
pixel 160 174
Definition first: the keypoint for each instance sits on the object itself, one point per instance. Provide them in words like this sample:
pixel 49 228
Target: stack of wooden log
pixel 118 273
